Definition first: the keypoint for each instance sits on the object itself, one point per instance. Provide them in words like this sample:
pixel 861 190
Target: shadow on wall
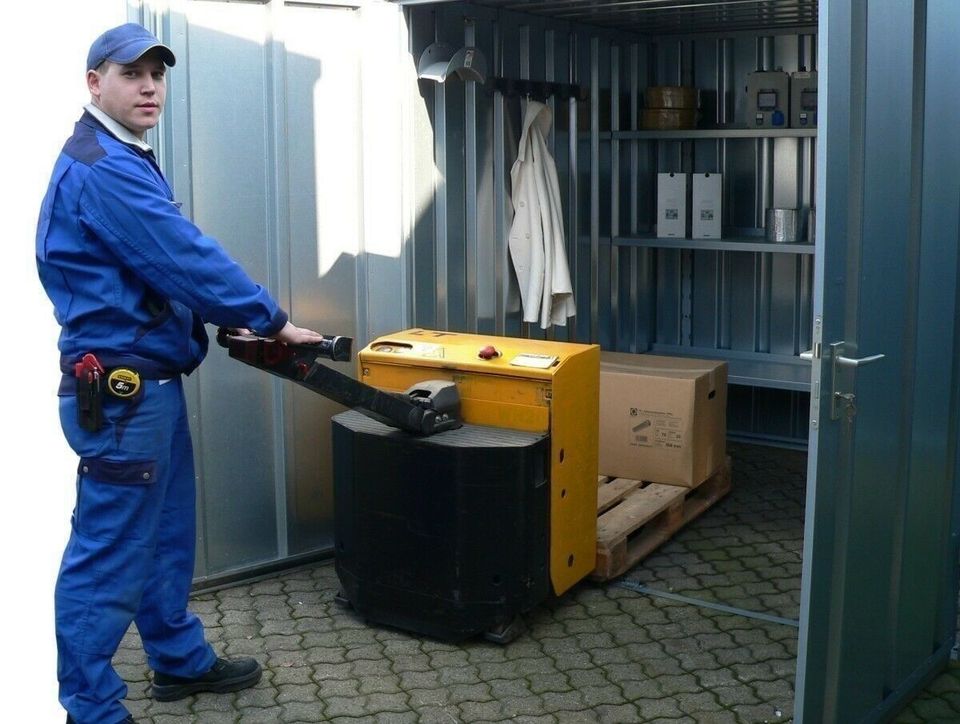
pixel 264 120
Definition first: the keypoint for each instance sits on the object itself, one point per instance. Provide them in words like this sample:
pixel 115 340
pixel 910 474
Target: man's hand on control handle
pixel 291 334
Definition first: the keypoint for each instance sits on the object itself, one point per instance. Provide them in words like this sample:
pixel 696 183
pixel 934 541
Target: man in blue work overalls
pixel 132 282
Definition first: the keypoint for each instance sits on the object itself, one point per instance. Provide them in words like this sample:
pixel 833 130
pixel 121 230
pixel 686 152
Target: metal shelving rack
pixel 698 133
pixel 753 369
pixel 733 243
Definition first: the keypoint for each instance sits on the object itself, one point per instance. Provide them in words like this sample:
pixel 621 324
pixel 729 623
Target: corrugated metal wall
pixel 270 139
pixel 750 307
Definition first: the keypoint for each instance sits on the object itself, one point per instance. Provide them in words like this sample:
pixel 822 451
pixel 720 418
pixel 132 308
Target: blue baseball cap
pixel 124 44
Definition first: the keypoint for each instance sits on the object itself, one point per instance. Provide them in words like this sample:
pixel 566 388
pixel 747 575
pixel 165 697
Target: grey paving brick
pixel 677 685
pixel 715 717
pixel 542 683
pixel 582 716
pixel 411 662
pixel 580 678
pixel 332 671
pixel 438 715
pixel 481 711
pixel 365 668
pixel 753 672
pixel 326 654
pixel 338 688
pixel 287 693
pixel 368 652
pixel 562 701
pixel 179 708
pixel 535 719
pixel 522 707
pixel 312 623
pixel 420 698
pixel 448 659
pixel 505 688
pixel 296 712
pixel 658 708
pixel 476 692
pixel 594 696
pixel 732 696
pixel 572 661
pixel 259 696
pixel 282 642
pixel 251 715
pixel 760 713
pixel 395 644
pixel 622 714
pixel 429 679
pixel 171 719
pixel 344 706
pixel 387 702
pixel 458 675
pixel 389 684
pixel 396 717
pixel 211 717
pixel 539 665
pixel 290 674
pixel 220 703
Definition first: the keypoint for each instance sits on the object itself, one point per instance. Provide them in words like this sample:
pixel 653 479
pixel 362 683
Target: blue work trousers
pixel 130 555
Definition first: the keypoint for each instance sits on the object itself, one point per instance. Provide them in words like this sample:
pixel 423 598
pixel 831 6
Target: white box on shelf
pixel 707 205
pixel 672 205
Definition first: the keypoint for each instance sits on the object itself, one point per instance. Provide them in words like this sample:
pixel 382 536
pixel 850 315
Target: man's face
pixel 131 94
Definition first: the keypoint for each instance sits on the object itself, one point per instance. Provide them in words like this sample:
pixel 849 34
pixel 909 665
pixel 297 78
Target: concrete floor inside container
pixel 702 631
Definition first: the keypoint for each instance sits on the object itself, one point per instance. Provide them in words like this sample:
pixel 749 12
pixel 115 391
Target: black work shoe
pixel 225 675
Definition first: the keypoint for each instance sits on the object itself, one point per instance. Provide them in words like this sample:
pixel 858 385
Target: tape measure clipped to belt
pixel 123 382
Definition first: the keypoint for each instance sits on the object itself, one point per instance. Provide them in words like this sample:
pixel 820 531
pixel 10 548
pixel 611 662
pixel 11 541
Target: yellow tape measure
pixel 123 382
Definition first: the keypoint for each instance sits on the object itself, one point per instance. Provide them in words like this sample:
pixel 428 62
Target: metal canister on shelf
pixel 671 96
pixel 668 119
pixel 670 108
pixel 782 225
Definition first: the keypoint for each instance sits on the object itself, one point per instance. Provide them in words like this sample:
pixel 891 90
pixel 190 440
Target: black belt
pixel 91 380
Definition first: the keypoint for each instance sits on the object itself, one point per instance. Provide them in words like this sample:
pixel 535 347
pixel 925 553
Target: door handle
pixel 845 400
pixel 857 362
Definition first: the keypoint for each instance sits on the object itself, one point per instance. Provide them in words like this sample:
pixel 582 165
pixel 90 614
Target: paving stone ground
pixel 601 653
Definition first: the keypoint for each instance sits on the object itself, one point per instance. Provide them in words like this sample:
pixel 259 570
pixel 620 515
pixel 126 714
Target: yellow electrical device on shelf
pixel 535 386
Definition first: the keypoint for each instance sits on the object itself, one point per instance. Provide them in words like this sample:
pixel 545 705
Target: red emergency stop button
pixel 488 352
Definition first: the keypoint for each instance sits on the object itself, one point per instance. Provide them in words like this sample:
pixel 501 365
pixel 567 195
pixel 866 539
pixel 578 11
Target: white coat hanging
pixel 537 246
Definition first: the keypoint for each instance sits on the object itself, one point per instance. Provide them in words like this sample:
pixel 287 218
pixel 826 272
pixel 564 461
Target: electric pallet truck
pixel 464 474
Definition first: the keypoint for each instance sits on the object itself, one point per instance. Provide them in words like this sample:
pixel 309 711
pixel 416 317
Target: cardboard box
pixel 672 205
pixel 707 209
pixel 662 419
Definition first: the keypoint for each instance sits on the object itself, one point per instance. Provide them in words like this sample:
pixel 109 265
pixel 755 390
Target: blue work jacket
pixel 131 279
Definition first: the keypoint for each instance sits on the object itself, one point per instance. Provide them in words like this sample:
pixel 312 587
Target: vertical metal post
pixel 573 240
pixel 500 221
pixel 550 75
pixel 594 188
pixel 470 205
pixel 614 196
pixel 524 74
pixel 633 310
pixel 440 207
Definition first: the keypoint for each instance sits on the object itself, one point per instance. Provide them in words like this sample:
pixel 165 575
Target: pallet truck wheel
pixel 342 601
pixel 504 633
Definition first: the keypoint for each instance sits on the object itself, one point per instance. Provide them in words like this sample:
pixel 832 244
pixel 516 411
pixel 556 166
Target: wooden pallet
pixel 636 517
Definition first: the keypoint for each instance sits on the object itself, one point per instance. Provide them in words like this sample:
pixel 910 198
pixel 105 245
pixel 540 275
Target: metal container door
pixel 879 586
